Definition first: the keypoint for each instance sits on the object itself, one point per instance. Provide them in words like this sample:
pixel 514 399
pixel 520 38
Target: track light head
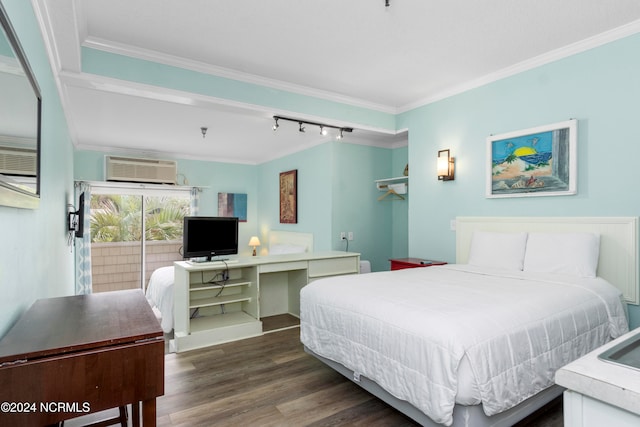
pixel 323 131
pixel 340 136
pixel 204 131
pixel 275 125
pixel 301 129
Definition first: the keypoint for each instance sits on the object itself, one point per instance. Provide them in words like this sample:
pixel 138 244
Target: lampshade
pixel 445 166
pixel 254 241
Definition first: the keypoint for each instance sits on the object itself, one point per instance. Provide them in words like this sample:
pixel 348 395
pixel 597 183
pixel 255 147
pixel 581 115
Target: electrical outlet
pixel 343 235
pixel 350 236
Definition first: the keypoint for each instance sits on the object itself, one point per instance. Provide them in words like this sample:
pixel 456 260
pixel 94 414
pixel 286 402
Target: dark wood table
pixel 70 356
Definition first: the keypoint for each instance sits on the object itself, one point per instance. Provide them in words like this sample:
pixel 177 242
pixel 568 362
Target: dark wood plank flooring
pixel 280 321
pixel 270 381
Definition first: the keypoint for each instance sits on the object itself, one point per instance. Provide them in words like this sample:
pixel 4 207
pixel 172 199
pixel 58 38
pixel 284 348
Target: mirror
pixel 20 106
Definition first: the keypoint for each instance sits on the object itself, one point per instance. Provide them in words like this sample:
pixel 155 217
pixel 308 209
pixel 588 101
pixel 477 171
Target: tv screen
pixel 209 236
pixel 80 217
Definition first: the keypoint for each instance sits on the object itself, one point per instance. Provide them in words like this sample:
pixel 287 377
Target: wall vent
pixel 140 170
pixel 18 161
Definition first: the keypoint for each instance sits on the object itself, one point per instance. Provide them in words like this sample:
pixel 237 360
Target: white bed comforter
pixel 160 295
pixel 408 330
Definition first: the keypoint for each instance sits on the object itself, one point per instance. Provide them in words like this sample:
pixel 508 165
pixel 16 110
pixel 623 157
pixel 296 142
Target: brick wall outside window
pixel 116 266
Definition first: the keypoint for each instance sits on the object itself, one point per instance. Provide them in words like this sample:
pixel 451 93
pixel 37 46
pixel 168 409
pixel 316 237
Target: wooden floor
pixel 270 381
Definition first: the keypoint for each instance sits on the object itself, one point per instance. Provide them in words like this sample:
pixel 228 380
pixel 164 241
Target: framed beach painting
pixel 289 197
pixel 539 161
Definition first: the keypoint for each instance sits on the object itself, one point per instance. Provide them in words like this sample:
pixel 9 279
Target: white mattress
pixel 433 336
pixel 160 295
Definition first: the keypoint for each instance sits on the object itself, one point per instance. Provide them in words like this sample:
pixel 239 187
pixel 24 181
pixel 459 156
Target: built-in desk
pixel 219 302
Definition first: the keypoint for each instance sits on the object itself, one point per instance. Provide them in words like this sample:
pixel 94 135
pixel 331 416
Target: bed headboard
pixel 291 238
pixel 618 262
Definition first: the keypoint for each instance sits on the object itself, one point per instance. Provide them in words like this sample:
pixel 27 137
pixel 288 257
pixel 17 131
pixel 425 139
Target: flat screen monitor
pixel 76 219
pixel 209 236
pixel 80 217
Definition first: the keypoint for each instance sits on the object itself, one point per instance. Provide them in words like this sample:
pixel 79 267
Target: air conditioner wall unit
pixel 18 161
pixel 129 169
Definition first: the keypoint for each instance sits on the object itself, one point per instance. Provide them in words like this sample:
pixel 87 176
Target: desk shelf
pixel 195 287
pixel 221 300
pixel 206 323
pixel 207 313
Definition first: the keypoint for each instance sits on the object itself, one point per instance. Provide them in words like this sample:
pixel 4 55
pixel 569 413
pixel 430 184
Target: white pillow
pixel 497 250
pixel 574 254
pixel 286 249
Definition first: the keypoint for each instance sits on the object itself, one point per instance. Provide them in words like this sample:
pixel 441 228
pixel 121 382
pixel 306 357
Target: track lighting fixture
pixel 301 128
pixel 204 131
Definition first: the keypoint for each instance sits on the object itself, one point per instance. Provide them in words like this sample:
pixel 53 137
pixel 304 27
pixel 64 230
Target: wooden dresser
pixel 70 356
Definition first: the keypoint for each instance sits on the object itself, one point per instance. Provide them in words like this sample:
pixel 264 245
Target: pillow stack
pixel 574 254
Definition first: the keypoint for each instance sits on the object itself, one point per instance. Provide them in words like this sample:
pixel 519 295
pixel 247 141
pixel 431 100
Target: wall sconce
pixel 445 166
pixel 254 241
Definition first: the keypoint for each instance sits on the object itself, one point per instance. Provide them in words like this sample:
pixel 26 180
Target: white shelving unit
pixel 393 186
pixel 216 303
pixel 383 184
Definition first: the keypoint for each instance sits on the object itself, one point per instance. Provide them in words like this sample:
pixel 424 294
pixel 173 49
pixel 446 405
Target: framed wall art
pixel 540 161
pixel 289 197
pixel 233 205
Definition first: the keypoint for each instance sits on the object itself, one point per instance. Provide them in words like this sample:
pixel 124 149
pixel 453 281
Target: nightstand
pixel 400 263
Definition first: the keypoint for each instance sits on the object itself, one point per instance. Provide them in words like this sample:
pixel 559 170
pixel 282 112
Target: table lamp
pixel 254 241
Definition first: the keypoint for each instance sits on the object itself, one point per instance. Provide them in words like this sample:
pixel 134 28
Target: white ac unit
pixel 140 170
pixel 18 161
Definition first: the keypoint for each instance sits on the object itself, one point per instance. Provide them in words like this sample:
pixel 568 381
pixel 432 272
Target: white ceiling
pixel 389 59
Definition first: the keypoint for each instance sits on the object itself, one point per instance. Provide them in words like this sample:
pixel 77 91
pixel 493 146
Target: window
pixel 122 255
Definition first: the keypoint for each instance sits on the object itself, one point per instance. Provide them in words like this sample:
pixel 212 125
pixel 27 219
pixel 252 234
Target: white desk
pixel 229 300
pixel 600 393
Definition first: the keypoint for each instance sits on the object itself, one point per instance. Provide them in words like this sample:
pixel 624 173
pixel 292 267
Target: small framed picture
pixel 540 161
pixel 289 197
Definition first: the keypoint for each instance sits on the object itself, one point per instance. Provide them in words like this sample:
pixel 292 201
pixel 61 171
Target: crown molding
pixel 202 67
pixel 159 93
pixel 546 58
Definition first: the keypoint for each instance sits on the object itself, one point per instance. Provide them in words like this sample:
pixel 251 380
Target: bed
pixel 478 342
pixel 159 294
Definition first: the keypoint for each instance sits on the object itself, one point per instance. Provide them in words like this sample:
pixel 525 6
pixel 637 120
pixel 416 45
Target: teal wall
pixel 212 177
pixel 400 209
pixel 599 87
pixel 141 71
pixel 314 194
pixel 336 192
pixel 35 261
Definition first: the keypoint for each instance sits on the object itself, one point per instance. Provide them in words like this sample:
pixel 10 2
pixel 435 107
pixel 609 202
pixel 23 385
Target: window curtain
pixel 83 245
pixel 195 200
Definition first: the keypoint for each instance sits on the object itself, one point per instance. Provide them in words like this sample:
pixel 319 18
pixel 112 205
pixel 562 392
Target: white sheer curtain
pixel 195 200
pixel 83 245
